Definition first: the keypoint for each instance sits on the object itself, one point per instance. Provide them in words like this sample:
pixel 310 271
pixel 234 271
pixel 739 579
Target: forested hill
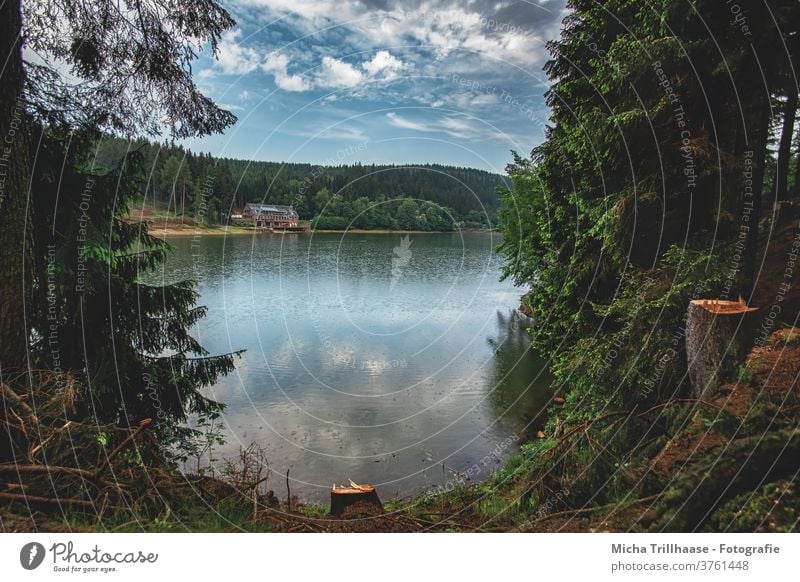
pixel 462 189
pixel 177 176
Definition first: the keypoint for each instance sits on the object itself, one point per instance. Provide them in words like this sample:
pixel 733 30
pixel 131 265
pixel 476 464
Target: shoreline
pixel 388 231
pixel 171 231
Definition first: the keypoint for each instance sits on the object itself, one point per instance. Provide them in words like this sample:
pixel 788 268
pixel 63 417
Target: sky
pixel 456 82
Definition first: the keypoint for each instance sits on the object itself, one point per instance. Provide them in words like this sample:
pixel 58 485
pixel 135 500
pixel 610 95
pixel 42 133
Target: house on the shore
pixel 271 216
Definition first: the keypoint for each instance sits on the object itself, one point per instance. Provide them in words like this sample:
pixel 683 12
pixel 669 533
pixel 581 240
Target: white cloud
pixel 317 11
pixel 384 64
pixel 455 30
pixel 233 58
pixel 457 127
pixel 336 132
pixel 338 74
pixel 442 26
pixel 278 64
pixel 231 106
pixel 484 99
pixel 404 123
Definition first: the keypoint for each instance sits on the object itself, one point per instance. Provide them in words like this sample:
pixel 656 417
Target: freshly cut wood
pixel 343 497
pixel 719 334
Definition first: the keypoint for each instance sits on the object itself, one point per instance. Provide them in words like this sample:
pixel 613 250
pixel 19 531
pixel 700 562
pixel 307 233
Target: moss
pixel 772 508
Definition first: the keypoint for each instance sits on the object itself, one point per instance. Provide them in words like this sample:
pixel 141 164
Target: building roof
pixel 273 208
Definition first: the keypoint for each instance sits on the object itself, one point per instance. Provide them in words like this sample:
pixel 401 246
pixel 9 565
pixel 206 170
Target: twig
pixel 288 492
pixel 7 468
pixel 16 400
pixel 586 424
pixel 142 425
pixel 49 500
pixel 572 512
pixel 35 449
pixel 49 469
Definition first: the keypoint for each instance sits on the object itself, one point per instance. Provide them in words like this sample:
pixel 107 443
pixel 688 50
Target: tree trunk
pixel 344 497
pixel 797 168
pixel 785 147
pixel 759 146
pixel 15 228
pixel 719 335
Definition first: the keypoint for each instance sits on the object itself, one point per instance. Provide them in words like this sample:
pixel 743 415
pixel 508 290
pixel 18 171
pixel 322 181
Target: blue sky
pixel 374 81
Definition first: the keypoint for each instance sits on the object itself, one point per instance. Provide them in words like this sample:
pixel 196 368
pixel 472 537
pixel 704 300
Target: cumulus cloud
pixel 338 74
pixel 510 31
pixel 332 73
pixel 233 58
pixel 278 65
pixel 383 64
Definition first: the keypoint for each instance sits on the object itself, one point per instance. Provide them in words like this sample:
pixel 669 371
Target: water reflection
pixel 352 371
pixel 519 377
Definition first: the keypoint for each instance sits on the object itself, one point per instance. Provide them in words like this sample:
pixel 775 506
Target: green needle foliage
pixel 650 189
pixel 635 202
pixel 130 342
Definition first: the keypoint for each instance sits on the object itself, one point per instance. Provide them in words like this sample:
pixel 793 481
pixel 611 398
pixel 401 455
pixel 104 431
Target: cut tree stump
pixel 344 497
pixel 719 334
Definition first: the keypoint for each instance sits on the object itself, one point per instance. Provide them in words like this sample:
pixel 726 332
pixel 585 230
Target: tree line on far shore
pixel 179 182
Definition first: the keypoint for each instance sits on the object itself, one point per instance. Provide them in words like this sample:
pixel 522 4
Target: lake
pixel 383 358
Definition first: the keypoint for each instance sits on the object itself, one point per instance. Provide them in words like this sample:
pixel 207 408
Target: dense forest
pixel 669 174
pixel 424 197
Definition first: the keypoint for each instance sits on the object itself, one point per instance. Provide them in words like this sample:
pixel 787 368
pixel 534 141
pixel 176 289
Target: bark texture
pixel 719 335
pixel 15 229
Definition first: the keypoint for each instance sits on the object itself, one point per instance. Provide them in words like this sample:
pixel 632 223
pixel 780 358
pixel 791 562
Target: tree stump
pixel 719 335
pixel 344 497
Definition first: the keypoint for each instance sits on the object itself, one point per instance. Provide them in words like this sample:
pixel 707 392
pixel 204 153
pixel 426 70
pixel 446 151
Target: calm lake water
pixel 370 357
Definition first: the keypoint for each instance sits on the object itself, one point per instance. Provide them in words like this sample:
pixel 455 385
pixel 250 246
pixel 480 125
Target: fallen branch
pixel 142 425
pixel 35 449
pixel 574 512
pixel 288 492
pixel 47 500
pixel 14 398
pixel 6 468
pixel 631 413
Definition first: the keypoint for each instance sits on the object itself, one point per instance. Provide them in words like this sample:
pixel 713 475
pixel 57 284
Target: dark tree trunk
pixel 785 147
pixel 719 335
pixel 797 168
pixel 759 147
pixel 15 228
